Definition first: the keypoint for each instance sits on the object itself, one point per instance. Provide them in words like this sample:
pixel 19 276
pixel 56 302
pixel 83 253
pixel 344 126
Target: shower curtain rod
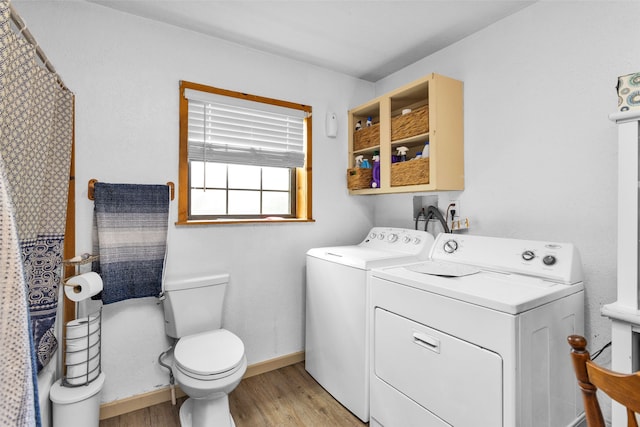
pixel 22 27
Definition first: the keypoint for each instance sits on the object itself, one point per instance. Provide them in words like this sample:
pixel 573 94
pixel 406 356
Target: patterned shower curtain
pixel 36 133
pixel 16 369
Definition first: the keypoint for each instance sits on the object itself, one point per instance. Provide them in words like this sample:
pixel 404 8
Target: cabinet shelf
pixel 418 140
pixel 366 150
pixel 429 109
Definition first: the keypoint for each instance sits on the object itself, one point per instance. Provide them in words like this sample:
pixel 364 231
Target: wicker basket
pixel 359 178
pixel 366 137
pixel 414 123
pixel 410 173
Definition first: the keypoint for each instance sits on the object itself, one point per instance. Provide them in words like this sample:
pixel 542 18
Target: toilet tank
pixel 193 305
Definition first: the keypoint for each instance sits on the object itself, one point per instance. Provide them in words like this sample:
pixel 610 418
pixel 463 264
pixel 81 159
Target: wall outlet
pixel 454 205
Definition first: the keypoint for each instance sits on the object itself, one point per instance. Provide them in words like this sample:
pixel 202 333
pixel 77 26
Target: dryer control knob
pixel 450 246
pixel 381 236
pixel 392 238
pixel 549 260
pixel 417 241
pixel 528 255
pixel 406 239
pixel 372 235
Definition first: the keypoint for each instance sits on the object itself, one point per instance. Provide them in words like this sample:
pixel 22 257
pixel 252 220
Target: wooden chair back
pixel 623 388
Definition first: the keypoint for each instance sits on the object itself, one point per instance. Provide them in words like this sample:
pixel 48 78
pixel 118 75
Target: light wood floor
pixel 287 397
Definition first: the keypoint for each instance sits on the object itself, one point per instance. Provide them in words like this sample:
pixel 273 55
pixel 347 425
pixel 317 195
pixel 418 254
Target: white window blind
pixel 231 130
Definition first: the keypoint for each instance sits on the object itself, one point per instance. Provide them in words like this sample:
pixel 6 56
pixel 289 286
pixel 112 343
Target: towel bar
pixel 93 181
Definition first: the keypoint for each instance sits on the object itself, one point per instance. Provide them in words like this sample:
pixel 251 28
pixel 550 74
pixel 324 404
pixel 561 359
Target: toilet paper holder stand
pixel 82 347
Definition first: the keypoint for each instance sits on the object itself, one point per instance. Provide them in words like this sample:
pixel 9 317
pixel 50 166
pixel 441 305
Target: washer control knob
pixel 450 246
pixel 381 236
pixel 417 241
pixel 392 238
pixel 406 239
pixel 528 255
pixel 549 260
pixel 372 236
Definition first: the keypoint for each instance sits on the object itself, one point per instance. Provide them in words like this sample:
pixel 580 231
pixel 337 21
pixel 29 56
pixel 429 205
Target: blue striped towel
pixel 131 222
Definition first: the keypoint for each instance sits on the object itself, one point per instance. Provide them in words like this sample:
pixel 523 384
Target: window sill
pixel 243 221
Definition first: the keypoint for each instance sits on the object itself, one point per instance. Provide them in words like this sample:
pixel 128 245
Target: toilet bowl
pixel 207 367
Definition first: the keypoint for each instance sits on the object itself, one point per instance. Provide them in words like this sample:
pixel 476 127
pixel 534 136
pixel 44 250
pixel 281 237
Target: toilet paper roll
pixel 74 357
pixel 77 374
pixel 83 286
pixel 82 343
pixel 82 327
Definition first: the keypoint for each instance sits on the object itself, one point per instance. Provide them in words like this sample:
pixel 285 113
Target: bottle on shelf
pixel 402 154
pixel 375 173
pixel 369 122
pixel 425 150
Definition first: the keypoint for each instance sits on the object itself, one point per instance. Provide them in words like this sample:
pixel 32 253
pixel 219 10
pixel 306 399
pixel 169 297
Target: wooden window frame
pixel 303 191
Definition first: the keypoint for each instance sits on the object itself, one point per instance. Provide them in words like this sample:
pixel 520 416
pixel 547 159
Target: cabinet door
pixel 457 381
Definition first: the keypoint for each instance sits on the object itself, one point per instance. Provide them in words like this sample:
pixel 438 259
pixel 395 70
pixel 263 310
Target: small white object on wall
pixel 332 125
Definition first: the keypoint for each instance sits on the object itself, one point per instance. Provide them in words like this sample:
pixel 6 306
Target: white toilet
pixel 209 361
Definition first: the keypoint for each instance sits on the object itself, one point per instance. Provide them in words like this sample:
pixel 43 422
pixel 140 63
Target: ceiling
pixel 364 39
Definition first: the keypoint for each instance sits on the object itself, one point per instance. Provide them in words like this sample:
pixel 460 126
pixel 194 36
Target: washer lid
pixel 209 353
pixel 382 247
pixel 508 293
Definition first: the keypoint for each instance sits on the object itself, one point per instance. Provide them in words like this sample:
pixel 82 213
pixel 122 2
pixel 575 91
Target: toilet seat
pixel 209 355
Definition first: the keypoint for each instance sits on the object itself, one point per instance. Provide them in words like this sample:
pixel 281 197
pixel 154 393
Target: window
pixel 243 158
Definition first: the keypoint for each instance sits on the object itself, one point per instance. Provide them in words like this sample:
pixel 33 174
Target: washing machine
pixel 476 335
pixel 337 322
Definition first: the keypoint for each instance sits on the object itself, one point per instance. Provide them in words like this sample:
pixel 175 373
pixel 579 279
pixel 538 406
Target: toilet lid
pixel 209 353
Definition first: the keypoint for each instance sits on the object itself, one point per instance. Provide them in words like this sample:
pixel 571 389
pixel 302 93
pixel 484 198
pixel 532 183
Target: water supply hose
pixel 172 380
pixel 420 214
pixel 433 212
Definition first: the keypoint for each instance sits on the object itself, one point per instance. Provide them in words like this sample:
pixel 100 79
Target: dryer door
pixel 457 381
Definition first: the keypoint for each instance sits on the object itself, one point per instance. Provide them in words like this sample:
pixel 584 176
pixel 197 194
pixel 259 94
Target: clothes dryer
pixel 337 326
pixel 476 335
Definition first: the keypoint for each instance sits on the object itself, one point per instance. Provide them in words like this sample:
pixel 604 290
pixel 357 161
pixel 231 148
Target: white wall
pixel 125 71
pixel 540 151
